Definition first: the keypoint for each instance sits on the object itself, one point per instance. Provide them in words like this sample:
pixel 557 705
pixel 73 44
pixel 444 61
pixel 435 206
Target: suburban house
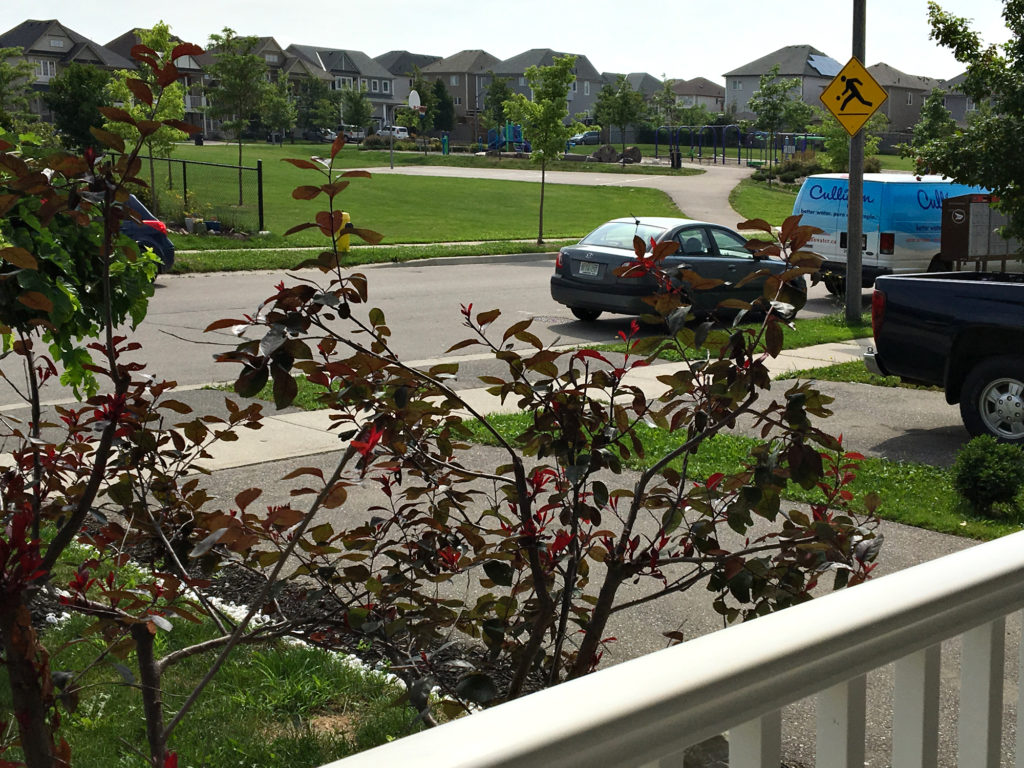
pixel 810 66
pixel 354 69
pixel 959 105
pixel 582 93
pixel 466 75
pixel 699 92
pixel 906 95
pixel 403 65
pixel 50 47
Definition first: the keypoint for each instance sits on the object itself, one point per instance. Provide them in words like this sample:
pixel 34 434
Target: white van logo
pixel 842 194
pixel 931 200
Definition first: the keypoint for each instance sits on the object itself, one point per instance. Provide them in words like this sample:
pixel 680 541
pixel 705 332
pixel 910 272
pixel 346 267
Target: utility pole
pixel 855 211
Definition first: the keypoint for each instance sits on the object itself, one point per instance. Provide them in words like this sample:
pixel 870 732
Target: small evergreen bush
pixel 987 473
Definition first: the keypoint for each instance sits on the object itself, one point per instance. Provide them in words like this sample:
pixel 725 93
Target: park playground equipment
pixel 716 143
pixel 508 139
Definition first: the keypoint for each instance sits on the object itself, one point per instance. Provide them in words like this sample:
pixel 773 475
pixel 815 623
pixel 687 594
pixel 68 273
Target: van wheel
pixel 587 315
pixel 992 400
pixel 938 264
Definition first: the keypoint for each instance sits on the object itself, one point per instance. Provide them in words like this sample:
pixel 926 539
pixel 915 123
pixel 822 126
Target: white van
pixel 902 222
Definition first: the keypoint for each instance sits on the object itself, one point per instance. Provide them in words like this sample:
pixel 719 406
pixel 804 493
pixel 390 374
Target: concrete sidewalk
pixel 306 433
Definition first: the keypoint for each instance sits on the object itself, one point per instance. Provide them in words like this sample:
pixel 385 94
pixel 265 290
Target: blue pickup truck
pixel 962 331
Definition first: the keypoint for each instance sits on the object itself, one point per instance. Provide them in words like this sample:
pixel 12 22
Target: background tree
pixel 770 103
pixel 935 122
pixel 16 77
pixel 356 109
pixel 75 98
pixel 316 105
pixel 170 107
pixel 621 106
pixel 445 118
pixel 279 112
pixel 498 92
pixel 543 118
pixel 238 86
pixel 837 140
pixel 664 104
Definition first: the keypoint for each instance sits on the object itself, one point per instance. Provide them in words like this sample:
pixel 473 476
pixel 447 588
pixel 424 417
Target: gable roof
pixel 403 62
pixel 643 82
pixel 698 86
pixel 341 60
pixel 123 44
pixel 890 77
pixel 545 57
pixel 473 61
pixel 793 61
pixel 28 34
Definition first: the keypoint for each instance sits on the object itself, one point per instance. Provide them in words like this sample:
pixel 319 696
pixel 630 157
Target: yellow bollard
pixel 343 240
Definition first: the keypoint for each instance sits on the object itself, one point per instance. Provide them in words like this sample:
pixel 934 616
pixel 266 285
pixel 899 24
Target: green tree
pixel 170 106
pixel 279 112
pixel 543 118
pixel 356 108
pixel 770 102
pixel 796 115
pixel 445 119
pixel 935 122
pixel 498 92
pixel 621 106
pixel 982 153
pixel 75 98
pixel 238 86
pixel 663 104
pixel 16 77
pixel 837 140
pixel 316 105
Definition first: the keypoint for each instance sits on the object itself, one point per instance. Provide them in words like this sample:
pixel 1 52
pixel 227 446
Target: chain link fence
pixel 224 197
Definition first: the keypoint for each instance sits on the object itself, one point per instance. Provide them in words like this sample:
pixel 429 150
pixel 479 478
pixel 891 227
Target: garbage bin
pixel 199 139
pixel 675 158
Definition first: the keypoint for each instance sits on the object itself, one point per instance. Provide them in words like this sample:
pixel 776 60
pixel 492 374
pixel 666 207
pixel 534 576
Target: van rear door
pixel 821 203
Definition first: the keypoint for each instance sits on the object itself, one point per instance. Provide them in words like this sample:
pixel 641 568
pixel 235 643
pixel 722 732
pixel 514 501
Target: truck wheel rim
pixel 1002 408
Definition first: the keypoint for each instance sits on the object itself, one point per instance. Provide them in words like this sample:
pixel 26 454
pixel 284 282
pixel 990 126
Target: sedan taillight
pixel 877 311
pixel 558 260
pixel 156 224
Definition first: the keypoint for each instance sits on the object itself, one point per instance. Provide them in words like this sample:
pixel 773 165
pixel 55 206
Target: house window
pixel 944 105
pixel 522 81
pixel 970 105
pixel 374 86
pixel 910 99
pixel 385 86
pixel 737 85
pixel 362 83
pixel 453 80
pixel 458 101
pixel 45 68
pixel 56 42
pixel 586 87
pixel 573 87
pixel 271 58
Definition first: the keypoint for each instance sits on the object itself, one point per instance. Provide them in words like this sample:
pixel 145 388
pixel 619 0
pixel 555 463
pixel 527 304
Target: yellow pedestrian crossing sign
pixel 853 96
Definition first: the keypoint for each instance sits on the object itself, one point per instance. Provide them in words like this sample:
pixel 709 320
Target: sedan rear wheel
pixel 587 315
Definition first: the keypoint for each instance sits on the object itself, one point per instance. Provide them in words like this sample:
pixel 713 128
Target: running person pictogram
pixel 853 88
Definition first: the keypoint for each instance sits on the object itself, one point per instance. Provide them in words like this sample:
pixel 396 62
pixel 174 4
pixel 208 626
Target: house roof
pixel 698 86
pixel 793 61
pixel 473 61
pixel 890 77
pixel 639 81
pixel 341 60
pixel 403 62
pixel 544 57
pixel 27 34
pixel 123 45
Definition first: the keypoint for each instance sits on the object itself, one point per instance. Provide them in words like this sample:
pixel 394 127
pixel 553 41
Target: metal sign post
pixel 853 97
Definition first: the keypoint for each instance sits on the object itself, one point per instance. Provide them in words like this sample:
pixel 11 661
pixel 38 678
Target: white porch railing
pixel 644 712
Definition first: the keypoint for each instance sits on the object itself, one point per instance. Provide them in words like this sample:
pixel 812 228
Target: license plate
pixel 589 268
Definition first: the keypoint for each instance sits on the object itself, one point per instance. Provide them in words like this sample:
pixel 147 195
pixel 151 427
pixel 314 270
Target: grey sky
pixel 680 40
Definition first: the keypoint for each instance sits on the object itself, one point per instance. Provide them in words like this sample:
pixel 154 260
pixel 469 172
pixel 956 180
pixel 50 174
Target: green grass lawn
pixel 852 372
pixel 417 209
pixel 757 200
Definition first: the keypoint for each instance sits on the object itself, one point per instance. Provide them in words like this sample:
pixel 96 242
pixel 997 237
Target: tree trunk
pixel 540 223
pixel 28 670
pixel 152 703
pixel 598 621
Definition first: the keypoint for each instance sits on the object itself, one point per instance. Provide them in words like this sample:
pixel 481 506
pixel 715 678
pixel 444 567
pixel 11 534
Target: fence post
pixel 259 191
pixel 184 186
